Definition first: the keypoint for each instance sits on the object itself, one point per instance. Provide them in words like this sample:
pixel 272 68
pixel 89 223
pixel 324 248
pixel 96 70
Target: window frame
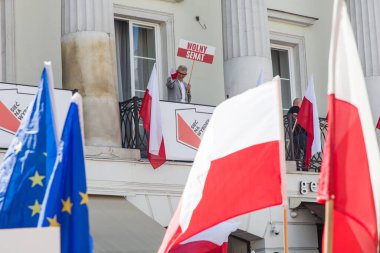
pixel 289 50
pixel 157 45
pixel 166 43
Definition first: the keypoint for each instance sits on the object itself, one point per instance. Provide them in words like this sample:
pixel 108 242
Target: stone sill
pixel 111 153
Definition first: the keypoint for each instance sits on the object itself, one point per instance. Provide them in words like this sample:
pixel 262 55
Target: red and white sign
pixel 183 126
pixel 196 51
pixel 191 125
pixel 14 102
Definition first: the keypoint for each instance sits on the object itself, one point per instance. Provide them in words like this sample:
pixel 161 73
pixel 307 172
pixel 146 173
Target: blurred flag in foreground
pixel 308 119
pixel 212 240
pixel 350 173
pixel 66 199
pixel 28 163
pixel 238 167
pixel 378 124
pixel 151 116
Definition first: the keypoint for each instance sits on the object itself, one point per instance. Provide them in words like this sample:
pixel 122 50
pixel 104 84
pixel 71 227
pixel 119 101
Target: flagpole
pixel 329 220
pixel 191 71
pixel 285 229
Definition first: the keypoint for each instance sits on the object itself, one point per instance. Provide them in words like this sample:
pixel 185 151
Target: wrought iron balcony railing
pixel 295 143
pixel 135 137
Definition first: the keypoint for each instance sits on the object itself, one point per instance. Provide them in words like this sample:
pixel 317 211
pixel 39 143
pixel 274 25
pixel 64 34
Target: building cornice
pixel 290 18
pixel 122 188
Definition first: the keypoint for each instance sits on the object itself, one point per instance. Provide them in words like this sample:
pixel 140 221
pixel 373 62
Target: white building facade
pixel 106 50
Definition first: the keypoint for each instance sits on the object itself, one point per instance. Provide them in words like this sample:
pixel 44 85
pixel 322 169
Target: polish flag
pixel 308 119
pixel 351 161
pixel 378 124
pixel 238 167
pixel 212 240
pixel 151 115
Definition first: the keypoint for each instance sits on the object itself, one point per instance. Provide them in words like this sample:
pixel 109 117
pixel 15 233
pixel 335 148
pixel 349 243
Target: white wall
pixel 317 39
pixel 37 39
pixel 207 80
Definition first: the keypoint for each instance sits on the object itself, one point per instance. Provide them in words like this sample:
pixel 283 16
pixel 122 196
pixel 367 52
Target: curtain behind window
pixel 123 59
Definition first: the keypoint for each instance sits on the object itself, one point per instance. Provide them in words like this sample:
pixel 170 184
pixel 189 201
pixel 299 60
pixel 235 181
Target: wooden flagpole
pixel 191 71
pixel 329 218
pixel 285 229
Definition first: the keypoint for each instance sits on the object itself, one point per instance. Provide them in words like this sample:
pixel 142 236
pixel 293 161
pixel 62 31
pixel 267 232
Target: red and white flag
pixel 238 167
pixel 378 124
pixel 151 116
pixel 212 240
pixel 308 119
pixel 351 161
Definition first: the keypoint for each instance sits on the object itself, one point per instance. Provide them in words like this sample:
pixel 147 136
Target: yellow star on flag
pixel 18 147
pixel 67 205
pixel 84 200
pixel 37 179
pixel 53 221
pixel 36 208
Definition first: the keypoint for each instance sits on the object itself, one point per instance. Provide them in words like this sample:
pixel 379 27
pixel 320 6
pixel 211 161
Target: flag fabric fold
pixel 260 79
pixel 28 163
pixel 238 167
pixel 212 240
pixel 308 119
pixel 151 115
pixel 378 124
pixel 350 167
pixel 66 200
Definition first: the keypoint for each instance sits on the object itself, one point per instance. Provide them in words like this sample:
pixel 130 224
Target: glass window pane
pixel 284 64
pixel 286 94
pixel 144 41
pixel 143 69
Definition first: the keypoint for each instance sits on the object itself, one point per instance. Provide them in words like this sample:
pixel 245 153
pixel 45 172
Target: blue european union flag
pixel 66 199
pixel 28 162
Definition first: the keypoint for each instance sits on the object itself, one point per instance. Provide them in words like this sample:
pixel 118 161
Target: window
pixel 136 52
pixel 282 66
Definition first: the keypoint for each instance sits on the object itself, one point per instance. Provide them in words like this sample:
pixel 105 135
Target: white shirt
pixel 183 91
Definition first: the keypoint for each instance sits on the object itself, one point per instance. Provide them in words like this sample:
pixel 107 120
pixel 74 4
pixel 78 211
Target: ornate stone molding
pixel 122 188
pixel 172 1
pixel 290 18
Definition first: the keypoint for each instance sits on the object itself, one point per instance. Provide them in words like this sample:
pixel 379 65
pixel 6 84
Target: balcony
pixel 295 144
pixel 135 137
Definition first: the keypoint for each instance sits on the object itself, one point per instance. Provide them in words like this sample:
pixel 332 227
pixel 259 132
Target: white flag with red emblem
pixel 238 167
pixel 151 115
pixel 308 119
pixel 351 162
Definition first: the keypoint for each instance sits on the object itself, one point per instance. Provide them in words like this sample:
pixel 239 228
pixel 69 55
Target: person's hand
pixel 174 75
pixel 188 88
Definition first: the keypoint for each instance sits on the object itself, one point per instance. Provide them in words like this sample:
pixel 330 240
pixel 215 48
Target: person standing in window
pixel 178 89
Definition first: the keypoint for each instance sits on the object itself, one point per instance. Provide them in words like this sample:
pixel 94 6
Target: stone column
pixel 88 64
pixel 365 20
pixel 7 41
pixel 246 44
